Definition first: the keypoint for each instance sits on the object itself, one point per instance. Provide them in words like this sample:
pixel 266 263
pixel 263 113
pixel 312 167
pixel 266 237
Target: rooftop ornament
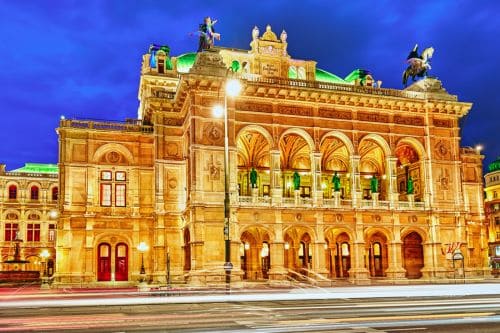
pixel 419 65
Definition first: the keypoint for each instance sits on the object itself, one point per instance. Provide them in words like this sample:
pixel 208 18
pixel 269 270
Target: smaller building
pixel 28 212
pixel 492 209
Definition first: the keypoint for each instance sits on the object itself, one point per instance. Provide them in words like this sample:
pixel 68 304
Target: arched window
pixel 34 193
pixel 13 192
pixel 55 193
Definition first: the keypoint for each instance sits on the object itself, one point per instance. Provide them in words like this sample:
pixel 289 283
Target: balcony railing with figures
pixel 266 201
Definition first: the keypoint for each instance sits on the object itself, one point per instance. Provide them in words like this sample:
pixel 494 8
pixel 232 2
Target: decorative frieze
pixel 295 110
pixel 255 107
pixel 412 121
pixel 373 117
pixel 337 114
pixel 442 122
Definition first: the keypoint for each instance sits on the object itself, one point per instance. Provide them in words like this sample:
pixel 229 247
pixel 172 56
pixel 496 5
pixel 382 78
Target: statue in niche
pixel 253 178
pixel 410 186
pixel 296 181
pixel 374 184
pixel 336 182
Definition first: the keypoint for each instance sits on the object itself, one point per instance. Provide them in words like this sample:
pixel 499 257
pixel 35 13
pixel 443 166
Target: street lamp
pixel 232 89
pixel 142 247
pixel 45 255
pixel 458 256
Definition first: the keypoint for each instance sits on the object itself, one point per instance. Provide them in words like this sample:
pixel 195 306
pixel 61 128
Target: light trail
pixel 294 295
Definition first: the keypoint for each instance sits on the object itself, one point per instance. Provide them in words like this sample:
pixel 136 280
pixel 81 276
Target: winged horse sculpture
pixel 418 65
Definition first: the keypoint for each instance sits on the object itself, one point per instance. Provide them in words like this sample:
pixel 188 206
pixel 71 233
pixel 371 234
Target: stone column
pixel 317 192
pixel 355 181
pixel 358 273
pixel 276 189
pixel 392 195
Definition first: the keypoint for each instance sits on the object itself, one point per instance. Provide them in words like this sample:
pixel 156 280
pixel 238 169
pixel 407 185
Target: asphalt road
pixel 436 314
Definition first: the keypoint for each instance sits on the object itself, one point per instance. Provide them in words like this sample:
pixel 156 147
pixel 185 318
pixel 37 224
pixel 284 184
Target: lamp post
pixel 45 255
pixel 232 89
pixel 142 247
pixel 168 267
pixel 458 256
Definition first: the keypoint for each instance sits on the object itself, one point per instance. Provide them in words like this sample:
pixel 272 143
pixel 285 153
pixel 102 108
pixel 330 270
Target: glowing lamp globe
pixel 233 87
pixel 218 111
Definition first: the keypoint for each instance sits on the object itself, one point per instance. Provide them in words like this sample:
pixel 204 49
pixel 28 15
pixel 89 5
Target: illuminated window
pixel 52 232
pixel 376 249
pixel 34 193
pixel 55 193
pixel 33 232
pixel 345 249
pixel 10 231
pixel 497 251
pixel 13 192
pixel 120 195
pixel 113 190
pixel 106 195
pixel 106 175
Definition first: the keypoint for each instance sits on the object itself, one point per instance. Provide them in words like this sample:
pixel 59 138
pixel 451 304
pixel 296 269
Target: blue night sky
pixel 81 59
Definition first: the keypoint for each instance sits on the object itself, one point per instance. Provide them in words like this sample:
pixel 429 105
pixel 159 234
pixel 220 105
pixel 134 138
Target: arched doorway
pixel 343 257
pixel 413 255
pixel 305 251
pixel 255 254
pixel 187 250
pixel 121 262
pixel 338 254
pixel 104 262
pixel 377 255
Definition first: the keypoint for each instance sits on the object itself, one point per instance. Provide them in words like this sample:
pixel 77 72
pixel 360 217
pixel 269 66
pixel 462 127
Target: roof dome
pixel 185 62
pixel 495 165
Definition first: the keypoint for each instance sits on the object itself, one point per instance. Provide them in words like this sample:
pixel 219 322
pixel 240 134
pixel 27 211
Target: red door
pixel 121 262
pixel 104 262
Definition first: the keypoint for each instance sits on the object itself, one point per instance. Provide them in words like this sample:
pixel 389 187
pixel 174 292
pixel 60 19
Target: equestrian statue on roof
pixel 418 65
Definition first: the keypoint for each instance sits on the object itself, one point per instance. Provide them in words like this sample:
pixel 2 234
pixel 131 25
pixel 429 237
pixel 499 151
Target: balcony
pixel 258 201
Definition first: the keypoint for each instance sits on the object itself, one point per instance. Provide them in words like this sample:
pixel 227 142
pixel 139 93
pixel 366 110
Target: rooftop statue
pixel 418 65
pixel 153 50
pixel 207 34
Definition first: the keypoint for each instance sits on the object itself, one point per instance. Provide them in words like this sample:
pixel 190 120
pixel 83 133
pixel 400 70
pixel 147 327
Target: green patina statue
pixel 336 182
pixel 374 184
pixel 253 178
pixel 409 186
pixel 296 181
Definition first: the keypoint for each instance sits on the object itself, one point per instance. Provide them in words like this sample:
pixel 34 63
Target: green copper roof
pixel 324 76
pixel 356 74
pixel 185 62
pixel 37 168
pixel 495 165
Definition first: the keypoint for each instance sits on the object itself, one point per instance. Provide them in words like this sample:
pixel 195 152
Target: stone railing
pixel 32 174
pixel 128 126
pixel 248 201
pixel 334 87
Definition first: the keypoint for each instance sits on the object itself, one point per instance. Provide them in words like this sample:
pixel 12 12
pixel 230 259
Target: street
pixel 253 313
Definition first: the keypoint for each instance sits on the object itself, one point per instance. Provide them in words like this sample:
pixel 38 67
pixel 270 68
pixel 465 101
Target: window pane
pixel 105 194
pixel 122 251
pixel 120 195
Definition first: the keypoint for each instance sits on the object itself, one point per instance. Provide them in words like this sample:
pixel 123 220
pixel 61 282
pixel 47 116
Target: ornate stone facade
pixel 290 117
pixel 492 210
pixel 28 211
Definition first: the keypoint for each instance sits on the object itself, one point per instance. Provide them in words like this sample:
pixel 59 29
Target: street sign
pixel 228 266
